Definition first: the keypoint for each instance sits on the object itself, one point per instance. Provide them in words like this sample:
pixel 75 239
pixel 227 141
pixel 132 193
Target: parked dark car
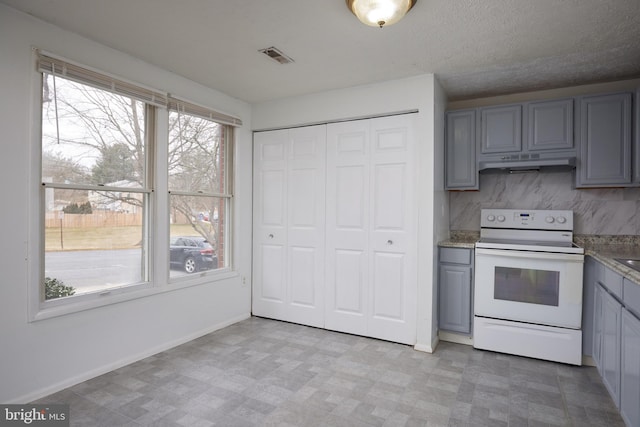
pixel 192 254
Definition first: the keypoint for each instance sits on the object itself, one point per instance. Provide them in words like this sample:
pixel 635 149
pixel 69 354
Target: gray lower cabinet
pixel 604 138
pixel 611 320
pixel 455 289
pixel 614 331
pixel 461 169
pixel 588 294
pixel 630 369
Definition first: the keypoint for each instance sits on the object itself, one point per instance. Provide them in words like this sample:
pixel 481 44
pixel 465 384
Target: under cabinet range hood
pixel 527 162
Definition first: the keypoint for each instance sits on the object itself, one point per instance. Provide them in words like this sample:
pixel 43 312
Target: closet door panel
pixel 349 289
pixel 388 299
pixel 306 225
pixel 270 224
pixel 289 224
pixel 347 241
pixel 303 266
pixel 393 242
pixel 371 269
pixel 273 263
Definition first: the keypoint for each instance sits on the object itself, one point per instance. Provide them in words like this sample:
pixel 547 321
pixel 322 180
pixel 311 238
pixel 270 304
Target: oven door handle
pixel 531 255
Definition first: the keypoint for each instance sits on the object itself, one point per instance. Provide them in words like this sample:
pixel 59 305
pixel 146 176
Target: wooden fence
pixel 97 219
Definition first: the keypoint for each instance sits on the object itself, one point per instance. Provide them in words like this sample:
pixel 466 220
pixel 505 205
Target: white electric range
pixel 528 285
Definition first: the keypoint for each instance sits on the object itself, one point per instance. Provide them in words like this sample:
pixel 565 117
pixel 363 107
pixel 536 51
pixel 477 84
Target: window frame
pixel 183 107
pixel 155 228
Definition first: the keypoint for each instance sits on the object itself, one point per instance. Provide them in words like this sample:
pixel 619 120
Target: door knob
pixel 389 242
pixel 271 236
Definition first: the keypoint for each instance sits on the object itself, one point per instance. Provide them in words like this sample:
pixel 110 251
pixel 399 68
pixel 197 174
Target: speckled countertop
pixel 461 239
pixel 603 248
pixel 607 248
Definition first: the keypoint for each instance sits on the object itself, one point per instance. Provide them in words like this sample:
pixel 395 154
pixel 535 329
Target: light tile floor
pixel 262 372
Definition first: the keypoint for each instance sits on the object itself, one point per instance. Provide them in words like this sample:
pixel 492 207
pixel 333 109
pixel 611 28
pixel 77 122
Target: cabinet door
pixel 598 297
pixel 605 140
pixel 611 343
pixel 588 313
pixel 454 312
pixel 289 223
pixel 630 381
pixel 462 171
pixel 549 125
pixel 501 129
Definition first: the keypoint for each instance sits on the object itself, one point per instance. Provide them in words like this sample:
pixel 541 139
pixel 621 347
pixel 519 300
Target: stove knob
pixel 561 219
pixel 491 218
pixel 500 218
pixel 549 219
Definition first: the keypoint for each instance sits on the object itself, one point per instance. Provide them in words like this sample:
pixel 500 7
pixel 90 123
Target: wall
pixel 367 101
pixel 41 357
pixel 441 202
pixel 613 211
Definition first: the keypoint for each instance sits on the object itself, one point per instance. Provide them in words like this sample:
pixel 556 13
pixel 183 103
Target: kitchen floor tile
pixel 262 372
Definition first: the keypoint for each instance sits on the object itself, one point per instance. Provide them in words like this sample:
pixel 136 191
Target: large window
pixel 199 152
pixel 102 185
pixel 96 189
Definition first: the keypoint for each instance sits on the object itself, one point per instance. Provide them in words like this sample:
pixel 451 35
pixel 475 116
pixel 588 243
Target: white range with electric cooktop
pixel 528 285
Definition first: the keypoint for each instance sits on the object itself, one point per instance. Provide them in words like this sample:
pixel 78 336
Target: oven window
pixel 527 285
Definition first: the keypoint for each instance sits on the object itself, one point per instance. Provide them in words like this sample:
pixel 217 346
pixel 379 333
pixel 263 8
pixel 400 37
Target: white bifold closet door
pixel 289 224
pixel 371 273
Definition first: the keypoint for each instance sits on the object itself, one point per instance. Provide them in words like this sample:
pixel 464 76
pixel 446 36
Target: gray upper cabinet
pixel 462 173
pixel 549 125
pixel 501 129
pixel 605 141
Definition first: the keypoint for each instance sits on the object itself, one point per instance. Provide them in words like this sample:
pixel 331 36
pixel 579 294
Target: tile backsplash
pixel 610 211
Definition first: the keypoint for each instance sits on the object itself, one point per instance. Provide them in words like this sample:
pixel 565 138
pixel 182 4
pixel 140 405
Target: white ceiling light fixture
pixel 378 13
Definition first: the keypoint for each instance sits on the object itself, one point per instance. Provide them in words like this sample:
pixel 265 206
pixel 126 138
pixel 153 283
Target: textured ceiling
pixel 476 48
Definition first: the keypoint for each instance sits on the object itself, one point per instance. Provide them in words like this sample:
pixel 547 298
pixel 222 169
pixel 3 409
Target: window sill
pixel 75 304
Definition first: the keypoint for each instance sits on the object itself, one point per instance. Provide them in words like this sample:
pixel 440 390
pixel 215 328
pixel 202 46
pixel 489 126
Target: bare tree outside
pixel 195 159
pixel 107 142
pixel 95 138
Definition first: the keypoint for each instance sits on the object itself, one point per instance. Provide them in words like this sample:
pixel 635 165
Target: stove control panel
pixel 527 219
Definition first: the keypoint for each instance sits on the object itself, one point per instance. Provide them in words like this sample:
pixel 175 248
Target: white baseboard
pixel 455 338
pixel 69 382
pixel 427 348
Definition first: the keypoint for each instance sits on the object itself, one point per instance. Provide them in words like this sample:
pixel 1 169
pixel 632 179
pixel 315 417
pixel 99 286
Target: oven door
pixel 534 287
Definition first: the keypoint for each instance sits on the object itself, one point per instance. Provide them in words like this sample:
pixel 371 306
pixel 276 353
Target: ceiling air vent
pixel 276 55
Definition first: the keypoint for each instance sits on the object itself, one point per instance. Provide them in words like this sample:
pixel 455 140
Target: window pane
pixel 527 285
pixel 90 136
pixel 91 248
pixel 198 234
pixel 196 154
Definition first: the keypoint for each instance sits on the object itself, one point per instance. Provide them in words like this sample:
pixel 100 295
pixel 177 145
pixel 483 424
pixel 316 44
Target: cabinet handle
pixel 389 242
pixel 271 236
